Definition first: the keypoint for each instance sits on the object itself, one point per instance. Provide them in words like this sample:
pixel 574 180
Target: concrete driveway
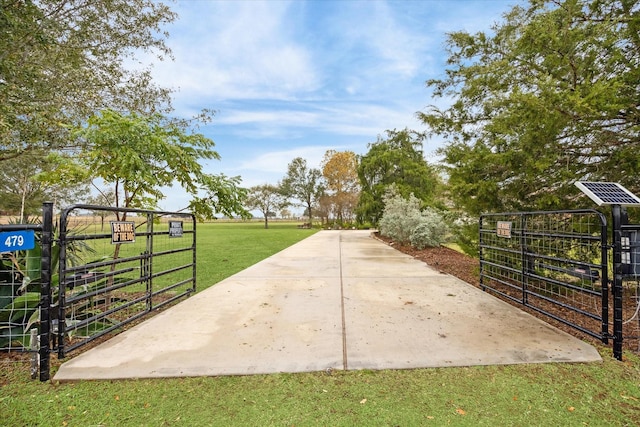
pixel 336 300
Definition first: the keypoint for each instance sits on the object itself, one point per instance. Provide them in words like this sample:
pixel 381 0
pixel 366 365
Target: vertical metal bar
pixel 524 261
pixel 34 348
pixel 604 279
pixel 148 261
pixel 617 282
pixel 480 254
pixel 62 273
pixel 45 291
pixel 193 245
pixel 144 278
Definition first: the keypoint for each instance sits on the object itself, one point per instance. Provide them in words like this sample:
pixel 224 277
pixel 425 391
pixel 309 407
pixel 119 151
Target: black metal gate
pixel 117 265
pixel 101 269
pixel 554 262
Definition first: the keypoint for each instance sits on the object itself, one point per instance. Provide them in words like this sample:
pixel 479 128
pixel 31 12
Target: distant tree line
pixel 347 190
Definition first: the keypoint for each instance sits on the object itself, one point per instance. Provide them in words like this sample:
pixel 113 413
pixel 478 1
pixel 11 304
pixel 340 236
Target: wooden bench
pixel 305 225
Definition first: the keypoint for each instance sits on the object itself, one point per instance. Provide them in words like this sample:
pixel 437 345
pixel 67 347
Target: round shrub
pixel 400 216
pixel 430 232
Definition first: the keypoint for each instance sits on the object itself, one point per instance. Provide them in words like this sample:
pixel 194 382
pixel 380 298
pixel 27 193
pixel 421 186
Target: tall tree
pixel 549 97
pixel 340 171
pixel 140 154
pixel 20 194
pixel 28 180
pixel 398 159
pixel 303 184
pixel 267 199
pixel 62 60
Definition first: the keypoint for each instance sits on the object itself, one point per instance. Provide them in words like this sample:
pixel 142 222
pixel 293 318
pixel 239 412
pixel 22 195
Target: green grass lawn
pixel 225 248
pixel 560 394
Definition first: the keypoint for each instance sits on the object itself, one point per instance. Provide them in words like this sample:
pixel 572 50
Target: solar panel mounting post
pixel 617 280
pixel 614 195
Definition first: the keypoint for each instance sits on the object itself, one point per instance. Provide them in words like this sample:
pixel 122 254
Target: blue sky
pixel 297 78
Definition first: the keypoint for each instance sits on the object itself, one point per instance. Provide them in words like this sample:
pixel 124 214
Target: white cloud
pixel 277 161
pixel 284 117
pixel 400 49
pixel 296 78
pixel 238 50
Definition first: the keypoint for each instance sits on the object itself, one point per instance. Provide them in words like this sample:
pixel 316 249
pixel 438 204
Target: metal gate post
pixel 480 257
pixel 44 350
pixel 147 260
pixel 604 278
pixel 193 245
pixel 60 312
pixel 525 259
pixel 617 281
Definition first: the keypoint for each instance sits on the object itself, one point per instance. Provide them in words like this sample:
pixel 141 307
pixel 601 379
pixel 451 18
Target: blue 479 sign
pixel 17 240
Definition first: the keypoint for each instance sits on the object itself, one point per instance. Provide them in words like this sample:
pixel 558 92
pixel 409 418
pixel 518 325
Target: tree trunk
pixel 22 202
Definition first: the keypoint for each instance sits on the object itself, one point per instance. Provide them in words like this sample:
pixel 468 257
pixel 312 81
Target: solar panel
pixel 608 193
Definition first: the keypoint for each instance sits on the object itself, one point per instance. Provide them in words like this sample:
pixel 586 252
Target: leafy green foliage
pixel 219 194
pixel 62 60
pixel 141 154
pixel 549 97
pixel 464 230
pixel 396 160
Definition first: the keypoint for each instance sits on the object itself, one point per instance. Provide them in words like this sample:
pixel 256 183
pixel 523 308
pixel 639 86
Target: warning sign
pixel 503 229
pixel 175 228
pixel 123 232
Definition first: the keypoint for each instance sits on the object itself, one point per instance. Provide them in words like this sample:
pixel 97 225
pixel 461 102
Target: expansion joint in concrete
pixel 345 364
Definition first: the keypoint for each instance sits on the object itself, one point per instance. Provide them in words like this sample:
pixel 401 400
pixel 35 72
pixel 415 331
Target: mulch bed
pixel 443 259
